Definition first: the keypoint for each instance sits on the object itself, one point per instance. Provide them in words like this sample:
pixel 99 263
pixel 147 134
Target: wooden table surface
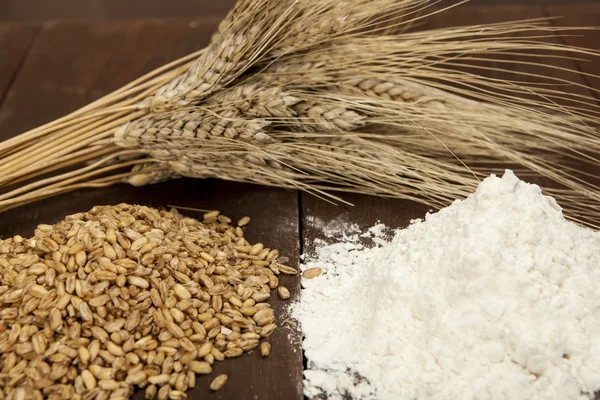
pixel 50 68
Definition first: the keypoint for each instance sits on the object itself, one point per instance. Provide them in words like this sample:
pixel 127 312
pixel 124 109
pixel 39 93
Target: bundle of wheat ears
pixel 331 95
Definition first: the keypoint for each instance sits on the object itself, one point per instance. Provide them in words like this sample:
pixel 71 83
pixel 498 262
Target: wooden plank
pixel 15 41
pixel 585 15
pixel 42 10
pixel 73 63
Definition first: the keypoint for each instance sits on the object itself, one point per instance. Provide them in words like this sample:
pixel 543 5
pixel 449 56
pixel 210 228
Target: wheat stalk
pixel 254 100
pixel 325 96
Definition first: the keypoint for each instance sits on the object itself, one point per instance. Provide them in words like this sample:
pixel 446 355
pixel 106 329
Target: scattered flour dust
pixel 340 228
pixel 493 297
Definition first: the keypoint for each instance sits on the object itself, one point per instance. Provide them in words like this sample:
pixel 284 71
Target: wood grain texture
pixel 42 10
pixel 73 63
pixel 15 41
pixel 587 15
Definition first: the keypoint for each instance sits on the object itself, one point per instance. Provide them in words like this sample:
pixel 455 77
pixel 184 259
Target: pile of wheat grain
pixel 128 296
pixel 323 95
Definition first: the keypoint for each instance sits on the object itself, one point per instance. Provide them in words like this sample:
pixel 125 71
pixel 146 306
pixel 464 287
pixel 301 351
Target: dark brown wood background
pixel 57 56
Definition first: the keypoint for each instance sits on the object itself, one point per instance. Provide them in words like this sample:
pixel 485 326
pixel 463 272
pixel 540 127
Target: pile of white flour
pixel 493 297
